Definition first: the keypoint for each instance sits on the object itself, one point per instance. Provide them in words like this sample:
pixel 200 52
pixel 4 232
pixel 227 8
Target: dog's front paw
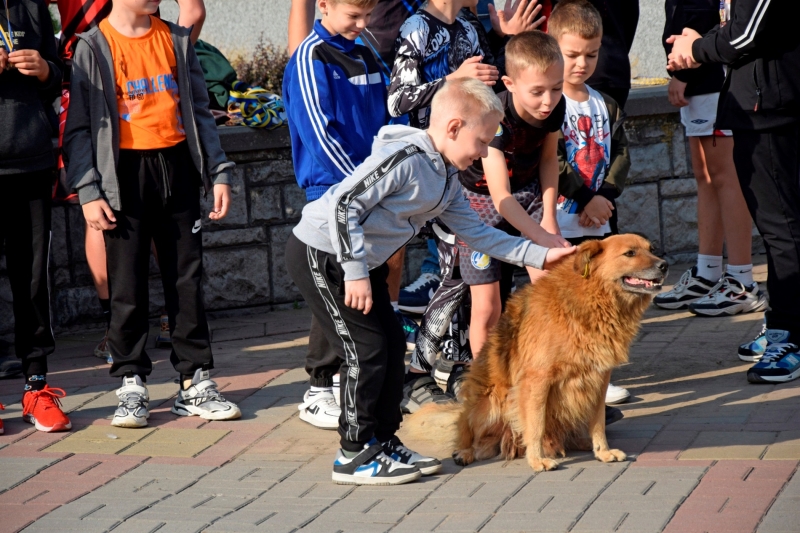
pixel 463 457
pixel 541 464
pixel 609 456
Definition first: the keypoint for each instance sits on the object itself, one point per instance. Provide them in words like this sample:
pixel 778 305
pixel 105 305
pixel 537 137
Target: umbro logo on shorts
pixel 699 121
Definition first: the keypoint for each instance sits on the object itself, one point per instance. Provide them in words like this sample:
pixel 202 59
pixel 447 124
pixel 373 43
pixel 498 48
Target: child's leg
pixel 482 273
pixel 95 246
pixel 180 250
pixel 128 266
pixel 709 219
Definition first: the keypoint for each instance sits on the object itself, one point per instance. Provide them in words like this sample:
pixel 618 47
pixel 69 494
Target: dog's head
pixel 623 262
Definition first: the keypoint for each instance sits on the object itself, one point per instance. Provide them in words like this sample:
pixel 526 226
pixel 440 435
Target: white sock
pixel 395 306
pixel 313 391
pixel 709 266
pixel 742 273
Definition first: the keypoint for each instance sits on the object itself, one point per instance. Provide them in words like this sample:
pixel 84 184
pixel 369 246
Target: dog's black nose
pixel 662 266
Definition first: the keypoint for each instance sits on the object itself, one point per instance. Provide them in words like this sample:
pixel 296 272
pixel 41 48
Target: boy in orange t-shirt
pixel 139 141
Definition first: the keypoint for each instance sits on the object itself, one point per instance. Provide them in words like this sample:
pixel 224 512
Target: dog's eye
pixel 630 253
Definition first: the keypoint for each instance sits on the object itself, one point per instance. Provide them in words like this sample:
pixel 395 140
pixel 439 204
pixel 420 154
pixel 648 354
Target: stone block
pixel 234 237
pixel 681 164
pixel 265 204
pixel 680 224
pixel 237 214
pixel 638 211
pixel 269 172
pixel 650 162
pixel 678 187
pixel 294 199
pixel 175 442
pixel 59 255
pixel 283 289
pixel 72 304
pixel 236 277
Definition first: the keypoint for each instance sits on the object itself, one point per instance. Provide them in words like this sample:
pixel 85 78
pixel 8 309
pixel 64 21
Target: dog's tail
pixel 433 421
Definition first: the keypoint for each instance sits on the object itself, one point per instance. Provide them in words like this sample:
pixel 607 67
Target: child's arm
pixel 620 163
pixel 496 173
pixel 192 14
pixel 43 63
pixel 548 177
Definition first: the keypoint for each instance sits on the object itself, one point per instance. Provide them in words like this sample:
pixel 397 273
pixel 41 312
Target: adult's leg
pixel 768 168
pixel 710 233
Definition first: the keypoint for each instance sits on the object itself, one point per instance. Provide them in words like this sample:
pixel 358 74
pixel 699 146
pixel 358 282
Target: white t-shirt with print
pixel 587 136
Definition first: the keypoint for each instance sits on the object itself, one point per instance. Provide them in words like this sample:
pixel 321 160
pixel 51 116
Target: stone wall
pixel 243 256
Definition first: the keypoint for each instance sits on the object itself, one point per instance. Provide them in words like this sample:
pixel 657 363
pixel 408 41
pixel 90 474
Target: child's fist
pixel 99 216
pixel 30 63
pixel 222 201
pixel 598 211
pixel 358 294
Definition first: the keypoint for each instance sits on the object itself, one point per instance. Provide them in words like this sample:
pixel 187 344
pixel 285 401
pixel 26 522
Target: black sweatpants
pixel 322 362
pixel 160 197
pixel 371 347
pixel 768 165
pixel 25 234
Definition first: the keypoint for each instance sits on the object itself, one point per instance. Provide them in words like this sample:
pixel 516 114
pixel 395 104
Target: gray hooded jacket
pixel 91 134
pixel 371 214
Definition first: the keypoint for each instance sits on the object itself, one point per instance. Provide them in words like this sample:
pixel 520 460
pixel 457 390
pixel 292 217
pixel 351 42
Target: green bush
pixel 265 67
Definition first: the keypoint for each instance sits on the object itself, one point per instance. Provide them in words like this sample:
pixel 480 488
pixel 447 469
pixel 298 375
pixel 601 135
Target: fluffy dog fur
pixel 538 385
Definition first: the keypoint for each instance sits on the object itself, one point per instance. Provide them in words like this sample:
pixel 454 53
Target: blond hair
pixel 466 98
pixel 575 17
pixel 531 49
pixel 356 3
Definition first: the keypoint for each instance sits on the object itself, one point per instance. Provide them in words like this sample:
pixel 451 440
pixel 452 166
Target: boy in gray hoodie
pixel 337 258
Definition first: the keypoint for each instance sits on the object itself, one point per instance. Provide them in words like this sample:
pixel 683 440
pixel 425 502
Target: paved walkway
pixel 709 452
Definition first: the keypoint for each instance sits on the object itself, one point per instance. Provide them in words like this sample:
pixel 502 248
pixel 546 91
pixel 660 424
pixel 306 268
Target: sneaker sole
pixel 760 305
pixel 349 479
pixel 53 429
pixel 305 417
pixel 190 410
pixel 413 309
pixel 750 358
pixel 428 470
pixel 131 422
pixel 755 378
pixel 618 400
pixel 674 305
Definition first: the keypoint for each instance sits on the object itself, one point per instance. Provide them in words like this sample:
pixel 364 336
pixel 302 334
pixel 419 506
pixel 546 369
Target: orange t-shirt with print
pixel 147 91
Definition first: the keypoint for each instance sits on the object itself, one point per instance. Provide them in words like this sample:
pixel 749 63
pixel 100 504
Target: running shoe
pixel 420 391
pixel 753 350
pixel 42 408
pixel 101 350
pixel 395 449
pixel 410 328
pixel 780 362
pixel 455 380
pixel 10 366
pixel 164 339
pixel 372 467
pixel 133 403
pixel 613 415
pixel 616 395
pixel 320 410
pixel 336 390
pixel 204 400
pixel 689 288
pixel 415 297
pixel 730 297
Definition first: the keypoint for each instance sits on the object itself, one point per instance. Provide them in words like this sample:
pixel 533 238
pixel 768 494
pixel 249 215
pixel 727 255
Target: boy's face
pixel 344 19
pixel 580 57
pixel 537 92
pixel 140 7
pixel 467 143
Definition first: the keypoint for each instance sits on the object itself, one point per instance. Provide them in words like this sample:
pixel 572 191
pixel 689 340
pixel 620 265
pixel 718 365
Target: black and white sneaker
pixel 395 449
pixel 730 297
pixel 204 400
pixel 372 467
pixel 133 403
pixel 320 410
pixel 689 288
pixel 420 391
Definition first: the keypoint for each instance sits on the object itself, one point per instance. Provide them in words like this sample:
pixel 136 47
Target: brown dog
pixel 538 385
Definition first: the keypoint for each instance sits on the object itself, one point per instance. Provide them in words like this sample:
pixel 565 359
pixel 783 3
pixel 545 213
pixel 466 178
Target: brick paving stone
pixel 48 525
pixel 729 445
pixel 100 440
pixel 172 526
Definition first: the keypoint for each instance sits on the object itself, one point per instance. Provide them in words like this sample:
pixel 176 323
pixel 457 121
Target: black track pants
pixel 371 347
pixel 25 234
pixel 768 165
pixel 160 197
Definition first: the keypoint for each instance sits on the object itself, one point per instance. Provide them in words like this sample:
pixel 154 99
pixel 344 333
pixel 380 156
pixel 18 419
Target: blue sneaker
pixel 372 467
pixel 780 362
pixel 410 328
pixel 753 350
pixel 415 297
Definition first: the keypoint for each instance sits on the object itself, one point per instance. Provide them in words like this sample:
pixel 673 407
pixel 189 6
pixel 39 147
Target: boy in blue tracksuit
pixel 335 97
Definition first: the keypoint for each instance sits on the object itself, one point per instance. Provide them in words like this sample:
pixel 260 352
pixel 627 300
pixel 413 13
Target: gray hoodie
pixel 91 134
pixel 367 217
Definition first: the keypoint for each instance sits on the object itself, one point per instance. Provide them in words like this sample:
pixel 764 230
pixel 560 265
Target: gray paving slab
pixel 49 525
pixel 151 526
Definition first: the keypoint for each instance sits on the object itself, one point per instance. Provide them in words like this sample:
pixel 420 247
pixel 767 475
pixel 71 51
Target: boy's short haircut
pixel 356 3
pixel 531 49
pixel 575 17
pixel 465 98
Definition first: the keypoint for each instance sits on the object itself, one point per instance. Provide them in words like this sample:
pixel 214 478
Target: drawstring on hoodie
pixel 167 191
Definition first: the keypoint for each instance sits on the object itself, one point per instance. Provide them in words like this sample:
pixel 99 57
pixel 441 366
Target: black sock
pixel 105 303
pixel 35 382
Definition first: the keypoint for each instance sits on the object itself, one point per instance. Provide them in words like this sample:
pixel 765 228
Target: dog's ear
pixel 583 258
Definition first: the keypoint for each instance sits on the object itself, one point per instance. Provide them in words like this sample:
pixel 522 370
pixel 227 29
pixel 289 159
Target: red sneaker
pixel 2 408
pixel 42 409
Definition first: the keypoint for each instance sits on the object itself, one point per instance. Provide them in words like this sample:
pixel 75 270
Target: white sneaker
pixel 616 395
pixel 688 290
pixel 204 400
pixel 320 410
pixel 336 390
pixel 133 402
pixel 730 297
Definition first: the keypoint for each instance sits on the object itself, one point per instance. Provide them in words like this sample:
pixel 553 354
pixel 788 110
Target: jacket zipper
pixel 414 233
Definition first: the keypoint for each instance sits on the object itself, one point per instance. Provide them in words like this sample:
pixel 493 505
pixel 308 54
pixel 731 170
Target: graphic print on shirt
pixel 587 139
pixel 132 99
